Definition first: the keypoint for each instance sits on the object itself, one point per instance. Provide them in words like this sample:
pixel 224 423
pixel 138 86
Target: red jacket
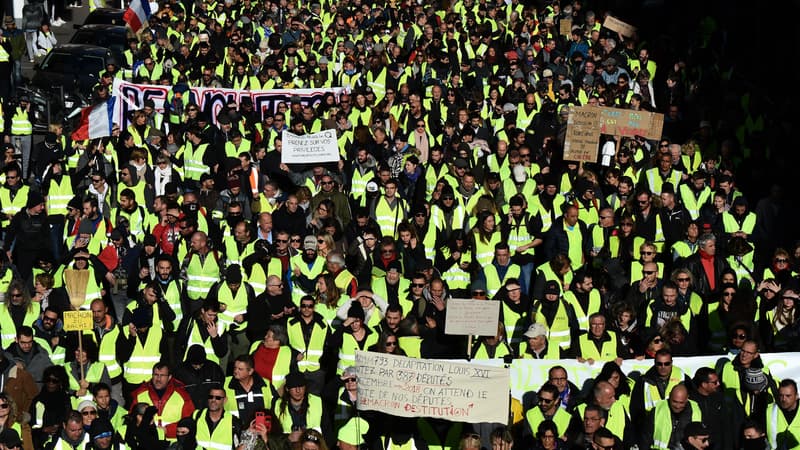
pixel 174 388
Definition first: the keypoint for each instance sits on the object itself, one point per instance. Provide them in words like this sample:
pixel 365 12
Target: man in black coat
pixel 706 266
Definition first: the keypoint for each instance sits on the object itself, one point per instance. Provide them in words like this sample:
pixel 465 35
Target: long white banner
pixel 412 387
pixel 131 97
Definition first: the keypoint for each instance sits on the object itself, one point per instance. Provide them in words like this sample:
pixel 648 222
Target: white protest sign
pixel 468 317
pixel 412 387
pixel 310 148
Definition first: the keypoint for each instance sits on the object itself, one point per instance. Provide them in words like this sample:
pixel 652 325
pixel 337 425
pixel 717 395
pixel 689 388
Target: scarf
pixel 140 169
pixel 162 177
pixel 100 196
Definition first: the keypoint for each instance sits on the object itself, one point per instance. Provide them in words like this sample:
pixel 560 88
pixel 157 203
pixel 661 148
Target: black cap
pixel 295 379
pixel 142 317
pixel 552 287
pixel 101 427
pixel 10 438
pixel 34 199
pixel 233 274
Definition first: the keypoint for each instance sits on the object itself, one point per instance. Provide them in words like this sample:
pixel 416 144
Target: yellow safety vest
pixel 258 279
pixel 561 419
pixel 311 350
pixel 20 124
pixel 662 426
pixel 8 330
pixel 313 414
pixel 493 281
pixel 58 195
pixel 558 333
pixel 139 367
pixel 580 314
pixel 234 305
pixel 607 352
pixel 221 438
pixel 201 275
pixel 195 337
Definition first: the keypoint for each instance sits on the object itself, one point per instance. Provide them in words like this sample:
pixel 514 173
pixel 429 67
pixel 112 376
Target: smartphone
pixel 263 419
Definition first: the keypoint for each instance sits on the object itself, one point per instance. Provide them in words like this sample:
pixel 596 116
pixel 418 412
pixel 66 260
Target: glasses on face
pixel 683 280
pixel 307 306
pixel 49 319
pixel 391 343
pixel 663 364
pixel 419 215
pixel 215 397
pixel 295 240
pixel 4 406
pixel 16 295
pixel 657 340
pixel 728 294
pixel 89 413
pixel 418 285
pixel 545 401
pixel 781 260
pixel 320 241
pixel 327 182
pixel 275 285
pixel 644 202
pixel 97 180
pixel 281 241
pixel 648 253
pixel 478 292
pixel 648 272
pixel 740 337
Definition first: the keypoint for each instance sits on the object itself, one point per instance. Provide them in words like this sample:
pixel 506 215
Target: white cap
pixel 535 330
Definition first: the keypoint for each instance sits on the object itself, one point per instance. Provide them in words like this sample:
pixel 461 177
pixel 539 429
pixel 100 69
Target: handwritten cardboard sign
pixel 627 122
pixel 412 387
pixel 614 24
pixel 467 317
pixel 78 320
pixel 583 134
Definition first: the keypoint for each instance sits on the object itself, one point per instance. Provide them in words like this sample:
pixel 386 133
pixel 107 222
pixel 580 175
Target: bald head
pixel 678 398
pixel 604 394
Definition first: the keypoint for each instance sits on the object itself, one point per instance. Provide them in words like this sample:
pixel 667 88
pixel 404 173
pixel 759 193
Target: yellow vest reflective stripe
pixel 201 276
pixel 655 182
pixel 520 236
pixel 692 203
pixel 313 414
pixel 20 125
pixel 219 439
pixel 358 183
pixel 232 253
pixel 575 239
pixel 776 424
pixel 662 423
pixel 524 119
pixel 139 367
pixel 107 352
pixel 607 352
pixel 312 352
pixel 493 281
pixel 4 56
pixel 347 352
pixel 57 355
pixel 616 417
pixel 514 324
pixel 171 412
pixel 193 161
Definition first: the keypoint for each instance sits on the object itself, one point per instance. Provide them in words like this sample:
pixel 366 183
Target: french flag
pixel 137 14
pixel 96 121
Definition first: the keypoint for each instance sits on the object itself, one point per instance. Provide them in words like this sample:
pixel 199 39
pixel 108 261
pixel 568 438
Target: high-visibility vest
pixel 575 239
pixel 193 166
pixel 107 352
pixel 139 367
pixel 136 221
pixel 57 354
pixel 484 251
pixel 4 56
pixel 93 375
pixel 260 395
pixel 7 278
pixel 777 424
pixel 433 439
pixel 221 438
pixel 519 236
pixel 282 365
pixel 358 183
pixel 11 207
pixel 234 305
pixel 232 253
pixel 195 337
pixel 480 352
pixel 524 118
pixel 693 203
pixel 201 275
pixel 61 444
pixel 662 422
pixel 607 352
pixel 171 408
pixel 257 277
pixel 493 281
pixel 387 218
pixel 561 419
pixel 580 314
pixel 347 352
pixel 558 333
pixel 651 394
pixel 58 195
pixel 683 249
pixel 311 350
pixel 732 226
pixel 455 276
pixel 311 272
pixel 553 351
pixel 313 414
pixel 655 182
pixel 8 330
pixel 20 124
pixel 615 417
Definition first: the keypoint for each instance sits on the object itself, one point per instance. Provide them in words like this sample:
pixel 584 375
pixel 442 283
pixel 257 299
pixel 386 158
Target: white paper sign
pixel 412 387
pixel 310 148
pixel 467 317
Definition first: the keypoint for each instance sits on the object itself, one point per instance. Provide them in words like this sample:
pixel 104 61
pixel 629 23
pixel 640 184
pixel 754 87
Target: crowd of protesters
pixel 249 284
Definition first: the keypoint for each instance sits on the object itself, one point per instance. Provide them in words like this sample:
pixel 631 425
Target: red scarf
pixel 708 266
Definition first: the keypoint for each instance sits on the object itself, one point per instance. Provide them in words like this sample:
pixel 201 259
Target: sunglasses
pixel 657 340
pixel 307 306
pixel 683 280
pixel 391 344
pixel 89 413
pixel 215 397
pixel 546 401
pixel 295 240
pixel 418 285
pixel 478 292
pixel 351 379
pixel 664 364
pixel 648 253
pixel 281 241
pixel 781 261
pixel 648 272
pixel 4 406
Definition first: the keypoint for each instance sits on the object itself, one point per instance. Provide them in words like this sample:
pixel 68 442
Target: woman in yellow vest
pixel 273 358
pixel 85 372
pixel 18 310
pixel 485 236
pixel 329 298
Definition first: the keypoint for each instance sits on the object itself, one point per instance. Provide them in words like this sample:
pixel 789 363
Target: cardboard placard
pixel 78 320
pixel 469 317
pixel 583 135
pixel 413 387
pixel 565 27
pixel 627 122
pixel 614 24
